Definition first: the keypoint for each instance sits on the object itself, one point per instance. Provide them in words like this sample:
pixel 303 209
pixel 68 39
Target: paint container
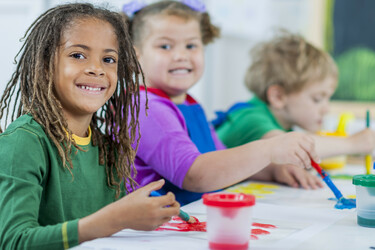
pixel 365 194
pixel 336 162
pixel 229 220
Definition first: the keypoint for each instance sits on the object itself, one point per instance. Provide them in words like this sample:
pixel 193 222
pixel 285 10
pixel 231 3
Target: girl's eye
pixel 109 60
pixel 191 46
pixel 166 46
pixel 77 56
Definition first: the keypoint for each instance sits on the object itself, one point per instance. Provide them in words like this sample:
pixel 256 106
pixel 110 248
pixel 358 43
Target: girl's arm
pixel 24 222
pixel 219 169
pixel 136 211
pixel 362 142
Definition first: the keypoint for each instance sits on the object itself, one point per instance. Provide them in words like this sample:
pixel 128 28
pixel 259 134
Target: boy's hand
pixel 293 148
pixel 296 177
pixel 139 211
pixel 363 141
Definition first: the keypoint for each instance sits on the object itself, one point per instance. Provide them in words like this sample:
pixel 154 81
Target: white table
pixel 305 219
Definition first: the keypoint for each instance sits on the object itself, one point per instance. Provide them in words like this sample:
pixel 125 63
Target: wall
pixel 243 23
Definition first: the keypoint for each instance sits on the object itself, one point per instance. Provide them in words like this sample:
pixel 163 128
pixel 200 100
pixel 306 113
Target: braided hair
pixel 31 91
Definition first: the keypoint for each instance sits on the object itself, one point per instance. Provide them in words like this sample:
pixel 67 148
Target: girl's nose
pixel 181 55
pixel 95 69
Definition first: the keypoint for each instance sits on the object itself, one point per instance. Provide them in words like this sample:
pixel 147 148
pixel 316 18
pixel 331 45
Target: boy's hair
pixel 113 126
pixel 289 61
pixel 171 8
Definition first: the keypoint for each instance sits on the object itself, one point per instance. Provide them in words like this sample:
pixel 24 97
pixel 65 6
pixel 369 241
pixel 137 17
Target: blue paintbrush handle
pixel 183 215
pixel 332 186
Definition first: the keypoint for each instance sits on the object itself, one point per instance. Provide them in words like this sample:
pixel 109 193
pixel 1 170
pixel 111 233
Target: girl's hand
pixel 295 177
pixel 293 148
pixel 139 211
pixel 136 211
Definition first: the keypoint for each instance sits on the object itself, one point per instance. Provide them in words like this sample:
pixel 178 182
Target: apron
pixel 199 132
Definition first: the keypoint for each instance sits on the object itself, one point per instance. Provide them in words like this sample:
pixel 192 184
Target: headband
pixel 136 5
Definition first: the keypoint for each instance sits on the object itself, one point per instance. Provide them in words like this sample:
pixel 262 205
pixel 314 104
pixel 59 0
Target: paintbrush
pixel 183 215
pixel 368 158
pixel 348 203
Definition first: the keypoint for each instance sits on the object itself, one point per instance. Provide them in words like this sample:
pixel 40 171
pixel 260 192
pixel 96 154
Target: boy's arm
pixel 362 142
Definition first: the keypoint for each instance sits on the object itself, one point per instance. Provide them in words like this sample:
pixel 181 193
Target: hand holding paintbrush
pixel 183 215
pixel 341 201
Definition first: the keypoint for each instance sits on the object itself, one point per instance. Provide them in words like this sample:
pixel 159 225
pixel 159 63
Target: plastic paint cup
pixel 365 193
pixel 228 220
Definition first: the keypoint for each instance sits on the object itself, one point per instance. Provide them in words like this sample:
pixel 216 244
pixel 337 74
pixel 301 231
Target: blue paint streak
pixel 342 203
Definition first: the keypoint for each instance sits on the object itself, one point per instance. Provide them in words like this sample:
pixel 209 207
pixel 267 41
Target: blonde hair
pixel 171 8
pixel 289 61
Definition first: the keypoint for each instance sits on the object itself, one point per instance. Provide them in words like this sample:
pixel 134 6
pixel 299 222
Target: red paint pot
pixel 228 220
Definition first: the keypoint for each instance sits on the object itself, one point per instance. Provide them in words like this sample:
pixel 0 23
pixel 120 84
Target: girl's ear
pixel 276 96
pixel 137 52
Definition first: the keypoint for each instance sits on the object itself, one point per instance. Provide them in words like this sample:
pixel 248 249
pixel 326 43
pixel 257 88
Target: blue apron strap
pixel 221 116
pixel 200 134
pixel 198 127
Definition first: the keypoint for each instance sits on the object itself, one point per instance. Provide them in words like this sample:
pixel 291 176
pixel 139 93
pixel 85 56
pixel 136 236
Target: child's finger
pixel 302 179
pixel 290 181
pixel 170 211
pixel 302 158
pixel 309 148
pixel 167 200
pixel 314 182
pixel 155 185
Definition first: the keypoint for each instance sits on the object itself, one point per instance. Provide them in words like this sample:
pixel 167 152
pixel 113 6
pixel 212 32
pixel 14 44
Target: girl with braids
pixel 63 168
pixel 177 143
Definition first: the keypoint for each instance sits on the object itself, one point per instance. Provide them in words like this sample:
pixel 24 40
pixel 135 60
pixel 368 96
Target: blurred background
pixel 342 27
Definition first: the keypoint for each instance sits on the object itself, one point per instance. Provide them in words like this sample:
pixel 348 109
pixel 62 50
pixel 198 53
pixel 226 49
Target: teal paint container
pixel 365 195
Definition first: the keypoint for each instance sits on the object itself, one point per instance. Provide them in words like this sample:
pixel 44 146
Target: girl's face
pixel 171 55
pixel 307 107
pixel 86 67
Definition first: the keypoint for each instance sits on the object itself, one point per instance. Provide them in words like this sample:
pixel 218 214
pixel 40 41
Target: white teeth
pixel 180 71
pixel 89 88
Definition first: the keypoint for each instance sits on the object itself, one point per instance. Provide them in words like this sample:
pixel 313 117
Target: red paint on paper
pixel 179 225
pixel 259 231
pixel 264 225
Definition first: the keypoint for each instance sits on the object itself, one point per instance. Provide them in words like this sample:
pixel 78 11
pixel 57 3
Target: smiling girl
pixel 177 142
pixel 62 175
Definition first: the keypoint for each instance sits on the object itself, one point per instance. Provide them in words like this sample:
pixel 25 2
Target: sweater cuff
pixel 69 232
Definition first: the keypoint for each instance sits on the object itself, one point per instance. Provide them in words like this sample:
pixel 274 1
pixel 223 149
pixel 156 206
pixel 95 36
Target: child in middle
pixel 293 82
pixel 177 143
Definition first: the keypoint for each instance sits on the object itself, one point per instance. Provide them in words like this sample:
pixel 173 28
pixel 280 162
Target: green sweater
pixel 40 201
pixel 247 124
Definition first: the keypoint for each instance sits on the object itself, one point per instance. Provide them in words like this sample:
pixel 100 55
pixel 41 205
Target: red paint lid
pixel 228 200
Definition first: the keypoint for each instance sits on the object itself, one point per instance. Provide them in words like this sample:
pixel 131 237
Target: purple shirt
pixel 165 149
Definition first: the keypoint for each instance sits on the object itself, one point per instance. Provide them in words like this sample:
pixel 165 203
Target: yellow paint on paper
pixel 257 189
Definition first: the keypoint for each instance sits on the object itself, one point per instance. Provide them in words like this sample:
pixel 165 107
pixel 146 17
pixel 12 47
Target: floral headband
pixel 136 5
